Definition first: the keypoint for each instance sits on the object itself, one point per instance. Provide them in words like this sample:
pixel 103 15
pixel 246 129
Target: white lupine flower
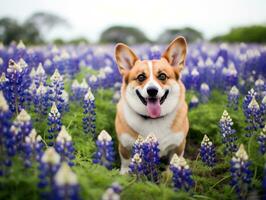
pixel 65 176
pixel 50 156
pixel 253 104
pixel 14 67
pixel 42 90
pixel 21 45
pixel 63 136
pixel 40 71
pixel 89 95
pixel 56 76
pixel 23 116
pixel 179 162
pixel 3 103
pixel 234 91
pixel 104 136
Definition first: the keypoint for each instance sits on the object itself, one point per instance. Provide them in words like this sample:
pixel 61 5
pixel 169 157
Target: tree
pixel 126 34
pixel 255 34
pixel 190 34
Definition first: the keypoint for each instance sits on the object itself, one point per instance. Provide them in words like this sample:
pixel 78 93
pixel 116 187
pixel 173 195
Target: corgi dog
pixel 152 100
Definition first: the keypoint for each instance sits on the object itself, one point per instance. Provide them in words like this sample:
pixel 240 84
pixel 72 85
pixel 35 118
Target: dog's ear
pixel 176 52
pixel 125 58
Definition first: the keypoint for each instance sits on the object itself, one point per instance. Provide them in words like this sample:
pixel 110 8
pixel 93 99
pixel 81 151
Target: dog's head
pixel 152 87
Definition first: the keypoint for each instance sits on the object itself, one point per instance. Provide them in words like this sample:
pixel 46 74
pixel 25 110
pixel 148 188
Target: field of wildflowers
pixel 57 137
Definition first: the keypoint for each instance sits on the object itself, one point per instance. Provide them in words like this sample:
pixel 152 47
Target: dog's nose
pixel 152 91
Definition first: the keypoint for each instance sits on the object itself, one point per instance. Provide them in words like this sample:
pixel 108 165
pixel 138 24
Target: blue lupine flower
pixel 247 100
pixel 260 88
pixel 262 141
pixel 182 176
pixel 204 92
pixel 3 82
pixel 233 98
pixel 136 165
pixel 195 78
pixel 49 165
pixel 56 90
pixel 193 102
pixel 240 172
pixel 228 133
pixel 40 76
pixel 253 117
pixel 113 192
pixel 154 53
pixel 230 75
pixel 33 148
pixel 105 150
pixel 16 86
pixel 75 89
pixel 263 109
pixel 151 158
pixel 21 128
pixel 5 139
pixel 54 122
pixel 66 184
pixel 89 119
pixel 64 146
pixel 207 152
pixel 41 100
pixel 138 146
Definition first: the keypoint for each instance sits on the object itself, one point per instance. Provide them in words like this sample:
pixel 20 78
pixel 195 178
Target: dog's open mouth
pixel 153 104
pixel 144 100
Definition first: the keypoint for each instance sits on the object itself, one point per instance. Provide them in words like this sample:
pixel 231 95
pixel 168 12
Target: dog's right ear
pixel 125 58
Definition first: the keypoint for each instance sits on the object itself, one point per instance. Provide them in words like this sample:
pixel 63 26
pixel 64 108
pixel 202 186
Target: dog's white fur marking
pixel 126 140
pixel 161 127
pixel 124 165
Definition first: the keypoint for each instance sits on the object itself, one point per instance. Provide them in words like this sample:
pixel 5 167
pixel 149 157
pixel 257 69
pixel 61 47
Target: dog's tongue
pixel 154 108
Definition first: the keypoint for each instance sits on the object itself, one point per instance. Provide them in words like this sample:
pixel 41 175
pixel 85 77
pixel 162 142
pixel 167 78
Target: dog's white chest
pixel 161 128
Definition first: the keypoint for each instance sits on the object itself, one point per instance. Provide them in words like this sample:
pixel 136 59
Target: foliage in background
pixel 248 34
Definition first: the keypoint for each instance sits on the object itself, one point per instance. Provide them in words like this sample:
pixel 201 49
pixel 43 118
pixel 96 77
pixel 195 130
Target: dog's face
pixel 151 87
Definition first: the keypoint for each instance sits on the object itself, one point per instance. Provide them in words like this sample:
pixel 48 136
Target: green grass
pixel 211 183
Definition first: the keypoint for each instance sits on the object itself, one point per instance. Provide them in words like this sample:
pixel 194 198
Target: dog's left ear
pixel 176 53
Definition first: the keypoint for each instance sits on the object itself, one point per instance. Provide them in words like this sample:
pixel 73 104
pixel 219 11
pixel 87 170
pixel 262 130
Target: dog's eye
pixel 162 77
pixel 141 77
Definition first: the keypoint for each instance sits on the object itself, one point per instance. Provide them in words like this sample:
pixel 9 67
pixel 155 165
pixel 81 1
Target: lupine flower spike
pixel 151 157
pixel 136 165
pixel 204 92
pixel 33 148
pixel 207 151
pixel 41 100
pixel 89 114
pixel 113 192
pixel 17 84
pixel 193 102
pixel 56 90
pixel 6 143
pixel 253 117
pixel 21 128
pixel 54 122
pixel 40 75
pixel 262 141
pixel 228 133
pixel 240 172
pixel 233 98
pixel 66 184
pixel 105 150
pixel 49 165
pixel 64 146
pixel 182 179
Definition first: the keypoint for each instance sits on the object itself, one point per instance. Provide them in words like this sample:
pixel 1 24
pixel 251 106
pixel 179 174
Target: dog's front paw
pixel 124 170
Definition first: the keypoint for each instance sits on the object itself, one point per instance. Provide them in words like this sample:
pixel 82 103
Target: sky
pixel 89 18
